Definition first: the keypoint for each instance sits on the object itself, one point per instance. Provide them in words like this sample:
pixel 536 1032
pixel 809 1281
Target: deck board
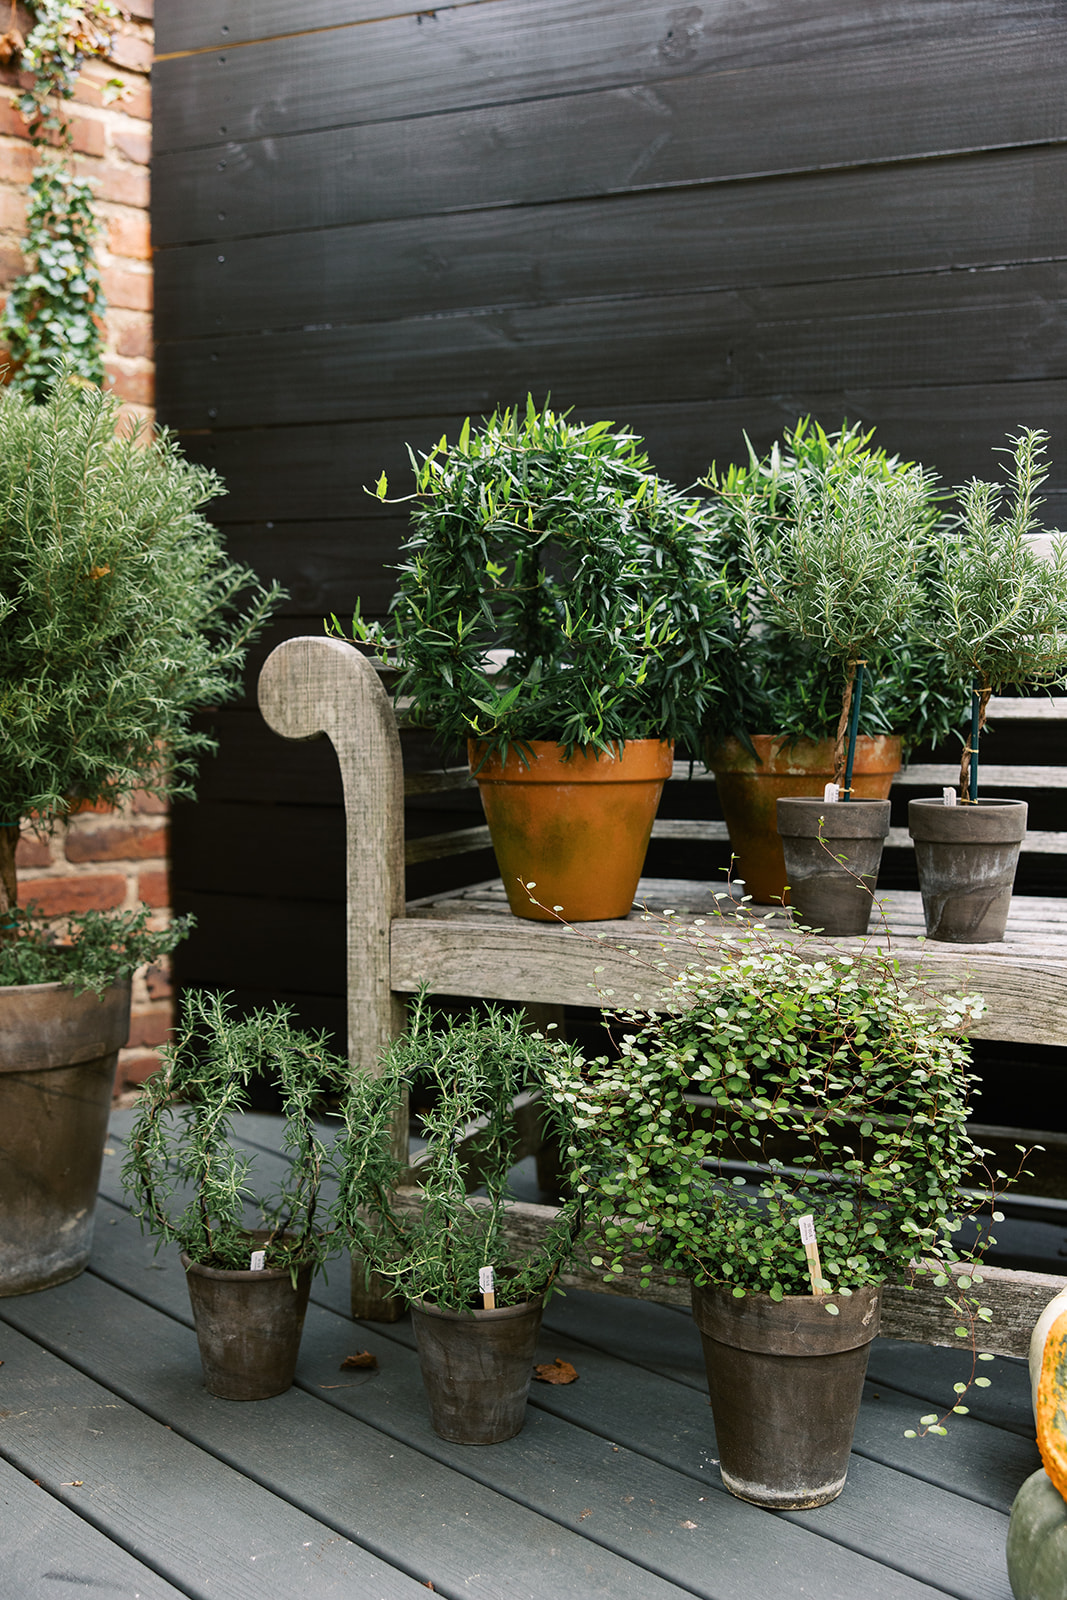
pixel 341 1488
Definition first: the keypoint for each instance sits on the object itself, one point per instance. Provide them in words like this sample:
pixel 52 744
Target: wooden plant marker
pixel 811 1250
pixel 487 1285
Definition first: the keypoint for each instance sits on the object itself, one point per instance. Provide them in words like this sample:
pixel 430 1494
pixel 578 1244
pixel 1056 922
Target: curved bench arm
pixel 313 686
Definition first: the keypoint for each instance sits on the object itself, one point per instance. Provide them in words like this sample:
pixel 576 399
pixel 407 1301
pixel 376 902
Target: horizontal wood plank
pixel 836 227
pixel 459 56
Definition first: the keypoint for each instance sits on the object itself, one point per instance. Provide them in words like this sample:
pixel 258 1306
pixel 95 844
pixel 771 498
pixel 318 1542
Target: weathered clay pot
pixel 476 1368
pixel 785 1380
pixel 823 889
pixel 248 1327
pixel 578 829
pixel 58 1052
pixel 372 1297
pixel 749 788
pixel 966 856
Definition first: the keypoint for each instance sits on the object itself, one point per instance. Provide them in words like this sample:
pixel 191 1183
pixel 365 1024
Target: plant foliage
pixel 828 545
pixel 473 1069
pixel 118 612
pixel 553 550
pixel 180 1148
pixel 95 951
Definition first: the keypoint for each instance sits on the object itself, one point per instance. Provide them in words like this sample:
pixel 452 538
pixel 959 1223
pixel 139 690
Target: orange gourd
pixel 1052 1405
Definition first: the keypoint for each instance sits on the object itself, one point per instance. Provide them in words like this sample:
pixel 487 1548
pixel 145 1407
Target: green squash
pixel 1037 1541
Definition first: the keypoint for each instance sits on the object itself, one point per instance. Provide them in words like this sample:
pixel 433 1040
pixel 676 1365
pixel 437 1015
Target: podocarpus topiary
pixel 118 612
pixel 552 588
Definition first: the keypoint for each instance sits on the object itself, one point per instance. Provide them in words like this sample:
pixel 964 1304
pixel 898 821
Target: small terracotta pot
pixel 966 856
pixel 476 1368
pixel 749 791
pixel 785 1379
pixel 578 829
pixel 248 1326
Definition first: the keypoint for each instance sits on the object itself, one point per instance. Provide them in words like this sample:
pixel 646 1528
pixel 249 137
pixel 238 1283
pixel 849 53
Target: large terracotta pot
pixel 58 1052
pixel 749 791
pixel 577 828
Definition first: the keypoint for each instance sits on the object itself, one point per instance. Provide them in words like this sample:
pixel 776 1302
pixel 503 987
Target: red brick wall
pixel 100 859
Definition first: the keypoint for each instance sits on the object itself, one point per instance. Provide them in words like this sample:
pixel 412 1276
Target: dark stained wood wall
pixel 371 220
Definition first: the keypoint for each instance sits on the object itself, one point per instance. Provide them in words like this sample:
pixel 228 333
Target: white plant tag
pixel 948 795
pixel 487 1285
pixel 811 1251
pixel 831 793
pixel 258 1262
pixel 807 1229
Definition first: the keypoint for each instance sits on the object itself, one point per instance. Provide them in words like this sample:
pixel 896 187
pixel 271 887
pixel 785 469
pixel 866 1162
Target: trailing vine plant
pixel 55 309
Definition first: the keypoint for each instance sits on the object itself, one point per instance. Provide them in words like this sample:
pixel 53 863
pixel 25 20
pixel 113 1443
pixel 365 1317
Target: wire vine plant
pixel 473 1070
pixel 775 1080
pixel 56 308
pixel 180 1147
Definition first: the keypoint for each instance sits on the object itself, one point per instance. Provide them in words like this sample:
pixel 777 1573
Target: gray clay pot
pixel 248 1327
pixel 966 856
pixel 476 1368
pixel 823 892
pixel 785 1380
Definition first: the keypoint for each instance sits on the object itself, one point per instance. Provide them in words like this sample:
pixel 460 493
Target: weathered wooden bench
pixel 466 943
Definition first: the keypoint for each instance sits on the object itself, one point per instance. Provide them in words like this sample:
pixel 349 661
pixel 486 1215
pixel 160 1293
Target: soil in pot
pixel 832 852
pixel 248 1327
pixel 476 1368
pixel 577 828
pixel 58 1052
pixel 748 789
pixel 785 1379
pixel 966 856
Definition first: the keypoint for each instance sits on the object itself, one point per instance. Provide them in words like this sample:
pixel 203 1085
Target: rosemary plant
pixel 552 550
pixel 795 627
pixel 119 611
pixel 180 1147
pixel 998 613
pixel 474 1069
pixel 93 952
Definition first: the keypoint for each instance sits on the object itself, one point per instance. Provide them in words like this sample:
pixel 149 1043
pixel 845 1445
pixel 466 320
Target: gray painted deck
pixel 121 1476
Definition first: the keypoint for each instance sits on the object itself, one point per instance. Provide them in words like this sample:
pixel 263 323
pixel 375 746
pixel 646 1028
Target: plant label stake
pixel 258 1262
pixel 948 795
pixel 486 1284
pixel 811 1250
pixel 831 794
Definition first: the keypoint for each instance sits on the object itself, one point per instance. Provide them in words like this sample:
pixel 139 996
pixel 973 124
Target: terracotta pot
pixel 833 850
pixel 476 1368
pixel 785 1379
pixel 749 791
pixel 966 856
pixel 578 828
pixel 248 1326
pixel 58 1052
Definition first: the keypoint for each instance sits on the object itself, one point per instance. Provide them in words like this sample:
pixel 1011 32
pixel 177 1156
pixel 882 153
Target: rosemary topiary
pixel 118 612
pixel 180 1146
pixel 472 1069
pixel 795 528
pixel 553 587
pixel 998 610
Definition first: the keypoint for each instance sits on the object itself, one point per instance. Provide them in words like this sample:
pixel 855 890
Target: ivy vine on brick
pixel 55 310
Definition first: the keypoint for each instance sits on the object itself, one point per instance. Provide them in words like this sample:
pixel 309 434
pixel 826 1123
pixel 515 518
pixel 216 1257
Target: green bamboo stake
pixel 976 703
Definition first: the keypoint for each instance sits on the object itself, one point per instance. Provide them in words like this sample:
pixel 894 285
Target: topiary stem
pixel 9 888
pixel 980 696
pixel 842 725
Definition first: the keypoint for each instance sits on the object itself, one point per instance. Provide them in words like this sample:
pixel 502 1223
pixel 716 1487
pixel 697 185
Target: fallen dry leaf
pixel 363 1359
pixel 555 1372
pixel 12 44
pixel 588 1512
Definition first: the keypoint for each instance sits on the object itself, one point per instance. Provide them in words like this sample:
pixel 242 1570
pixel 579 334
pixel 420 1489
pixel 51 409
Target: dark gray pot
pixel 476 1368
pixel 785 1380
pixel 967 856
pixel 248 1327
pixel 58 1052
pixel 823 892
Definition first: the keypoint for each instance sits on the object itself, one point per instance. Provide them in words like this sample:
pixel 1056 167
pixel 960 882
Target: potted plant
pixel 998 615
pixel 249 1275
pixel 789 1136
pixel 557 612
pixel 816 591
pixel 476 1293
pixel 117 622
